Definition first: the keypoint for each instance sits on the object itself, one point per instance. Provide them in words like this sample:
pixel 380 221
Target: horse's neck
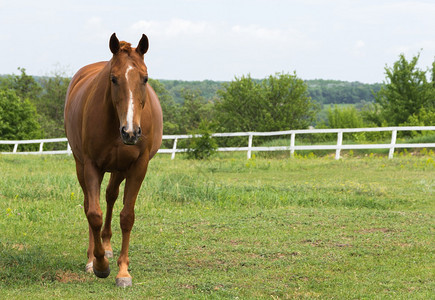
pixel 102 98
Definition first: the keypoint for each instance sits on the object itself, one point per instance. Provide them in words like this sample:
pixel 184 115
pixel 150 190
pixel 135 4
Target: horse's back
pixel 76 96
pixel 80 81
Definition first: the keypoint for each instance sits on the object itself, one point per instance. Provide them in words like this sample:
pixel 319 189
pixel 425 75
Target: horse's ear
pixel 114 44
pixel 142 47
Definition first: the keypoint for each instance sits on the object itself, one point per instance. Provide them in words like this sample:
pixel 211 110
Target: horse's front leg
pixel 133 183
pixel 93 178
pixel 112 192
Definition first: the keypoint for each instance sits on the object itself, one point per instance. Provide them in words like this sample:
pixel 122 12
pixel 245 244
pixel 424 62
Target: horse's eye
pixel 145 79
pixel 114 79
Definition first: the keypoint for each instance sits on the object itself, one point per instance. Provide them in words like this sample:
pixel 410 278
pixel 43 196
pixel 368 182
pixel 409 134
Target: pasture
pixel 229 228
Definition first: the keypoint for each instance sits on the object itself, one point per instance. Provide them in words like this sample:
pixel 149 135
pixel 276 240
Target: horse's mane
pixel 124 46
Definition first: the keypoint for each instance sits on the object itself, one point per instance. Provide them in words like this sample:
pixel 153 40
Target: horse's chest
pixel 117 158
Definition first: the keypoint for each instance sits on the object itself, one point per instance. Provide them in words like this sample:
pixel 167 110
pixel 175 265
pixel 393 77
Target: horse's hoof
pixel 89 267
pixel 101 274
pixel 108 254
pixel 124 282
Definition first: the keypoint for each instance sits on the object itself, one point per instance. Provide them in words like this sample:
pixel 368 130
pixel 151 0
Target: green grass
pixel 229 228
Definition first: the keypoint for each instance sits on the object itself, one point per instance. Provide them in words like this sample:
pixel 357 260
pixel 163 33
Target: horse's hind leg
pixel 112 192
pixel 90 252
pixel 93 178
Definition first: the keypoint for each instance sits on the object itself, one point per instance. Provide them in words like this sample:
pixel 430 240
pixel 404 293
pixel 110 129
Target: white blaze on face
pixel 130 109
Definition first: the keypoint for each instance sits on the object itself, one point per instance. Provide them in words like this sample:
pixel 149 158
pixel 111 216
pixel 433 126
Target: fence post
pixel 68 149
pixel 393 142
pixel 41 147
pixel 174 148
pixel 15 148
pixel 339 143
pixel 292 144
pixel 250 145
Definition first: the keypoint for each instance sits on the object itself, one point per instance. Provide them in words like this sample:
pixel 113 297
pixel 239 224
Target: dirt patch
pixel 188 286
pixel 68 277
pixel 373 230
pixel 19 247
pixel 314 243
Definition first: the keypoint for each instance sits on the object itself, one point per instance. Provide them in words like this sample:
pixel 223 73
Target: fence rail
pixel 291 147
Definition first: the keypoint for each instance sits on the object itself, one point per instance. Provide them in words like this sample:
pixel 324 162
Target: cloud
pixel 258 32
pixel 198 46
pixel 216 38
pixel 358 48
pixel 171 28
pixel 216 30
pixel 96 29
pixel 378 13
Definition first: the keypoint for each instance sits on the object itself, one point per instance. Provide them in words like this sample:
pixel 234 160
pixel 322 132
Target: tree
pixel 50 104
pixel 195 109
pixel 18 117
pixel 25 86
pixel 240 105
pixel 278 102
pixel 288 102
pixel 406 91
pixel 169 108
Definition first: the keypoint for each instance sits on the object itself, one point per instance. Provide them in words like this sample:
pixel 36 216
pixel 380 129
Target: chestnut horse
pixel 113 121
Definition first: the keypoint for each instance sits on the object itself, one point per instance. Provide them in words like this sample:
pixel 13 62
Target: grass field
pixel 357 228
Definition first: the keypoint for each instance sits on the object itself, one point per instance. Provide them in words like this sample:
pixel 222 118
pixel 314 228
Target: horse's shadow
pixel 23 264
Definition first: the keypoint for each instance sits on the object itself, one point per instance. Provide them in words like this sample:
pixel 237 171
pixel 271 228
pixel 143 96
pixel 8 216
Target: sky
pixel 221 39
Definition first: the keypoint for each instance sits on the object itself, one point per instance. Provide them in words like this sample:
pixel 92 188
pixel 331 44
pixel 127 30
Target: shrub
pixel 202 145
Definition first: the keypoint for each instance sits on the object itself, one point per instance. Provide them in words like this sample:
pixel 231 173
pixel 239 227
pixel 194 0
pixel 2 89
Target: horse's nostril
pixel 130 137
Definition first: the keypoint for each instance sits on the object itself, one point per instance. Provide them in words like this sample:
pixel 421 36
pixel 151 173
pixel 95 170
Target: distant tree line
pixel 320 90
pixel 32 107
pixel 339 92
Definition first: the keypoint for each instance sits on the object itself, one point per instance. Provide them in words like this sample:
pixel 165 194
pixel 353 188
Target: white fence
pixel 291 147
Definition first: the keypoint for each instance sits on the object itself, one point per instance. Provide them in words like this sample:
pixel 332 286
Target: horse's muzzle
pixel 130 137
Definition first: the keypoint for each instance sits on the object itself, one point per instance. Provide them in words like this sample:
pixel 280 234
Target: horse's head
pixel 128 76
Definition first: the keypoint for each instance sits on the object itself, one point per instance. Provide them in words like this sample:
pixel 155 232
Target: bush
pixel 202 145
